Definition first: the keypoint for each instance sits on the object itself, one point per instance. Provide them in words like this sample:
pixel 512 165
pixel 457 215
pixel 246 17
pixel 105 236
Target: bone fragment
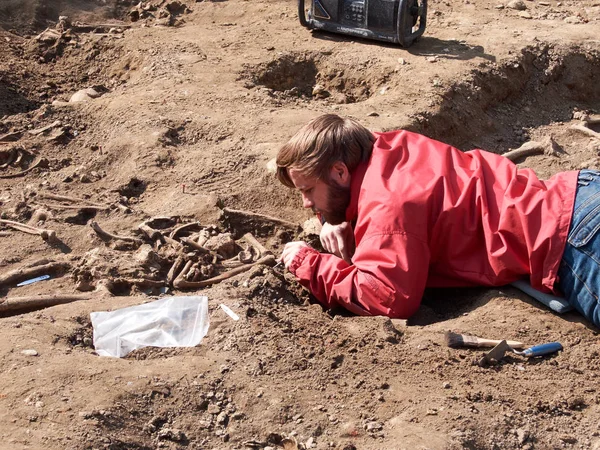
pixel 195 245
pixel 181 283
pixel 66 198
pixel 45 234
pixel 180 228
pixel 24 273
pixel 174 270
pixel 586 130
pixel 109 236
pixel 56 123
pixel 547 146
pixel 38 163
pixel 250 239
pixel 40 301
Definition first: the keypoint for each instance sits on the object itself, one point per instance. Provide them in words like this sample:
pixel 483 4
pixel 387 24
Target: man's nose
pixel 306 202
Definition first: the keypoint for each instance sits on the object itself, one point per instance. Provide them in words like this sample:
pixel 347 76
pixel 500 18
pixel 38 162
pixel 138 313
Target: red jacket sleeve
pixel 387 277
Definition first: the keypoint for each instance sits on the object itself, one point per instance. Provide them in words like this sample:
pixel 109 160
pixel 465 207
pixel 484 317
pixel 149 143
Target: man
pixel 404 212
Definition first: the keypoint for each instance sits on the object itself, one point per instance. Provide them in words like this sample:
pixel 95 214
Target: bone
pixel 183 227
pixel 109 236
pixel 24 273
pixel 250 239
pixel 41 301
pixel 195 245
pixel 175 269
pixel 65 198
pixel 45 234
pixel 12 137
pixel 39 163
pixel 181 283
pixel 585 130
pixel 547 147
pixel 56 123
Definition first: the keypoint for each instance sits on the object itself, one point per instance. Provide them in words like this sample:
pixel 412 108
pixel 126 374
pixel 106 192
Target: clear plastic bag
pixel 168 322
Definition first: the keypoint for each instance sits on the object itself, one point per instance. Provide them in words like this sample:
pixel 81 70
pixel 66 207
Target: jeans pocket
pixel 587 228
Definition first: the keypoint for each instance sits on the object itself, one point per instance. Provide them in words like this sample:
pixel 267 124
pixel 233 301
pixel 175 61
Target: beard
pixel 338 199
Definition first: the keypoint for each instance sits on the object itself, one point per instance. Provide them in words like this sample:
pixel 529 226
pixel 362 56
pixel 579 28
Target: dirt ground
pixel 190 102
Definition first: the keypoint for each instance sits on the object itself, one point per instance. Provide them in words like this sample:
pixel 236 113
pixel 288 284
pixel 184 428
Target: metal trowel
pixel 498 352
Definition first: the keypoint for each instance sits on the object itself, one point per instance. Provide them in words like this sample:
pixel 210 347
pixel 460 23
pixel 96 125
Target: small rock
pixel 525 15
pixel 272 165
pixel 519 5
pixel 373 426
pixel 320 92
pixel 522 435
pixel 499 6
pixel 432 59
pixel 222 418
pixel 373 114
pixel 214 409
pixel 84 95
pixel 446 385
pixel 30 352
pixel 401 61
pixel 572 19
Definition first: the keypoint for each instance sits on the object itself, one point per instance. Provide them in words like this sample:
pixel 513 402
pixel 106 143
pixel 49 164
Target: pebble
pixel 519 5
pixel 373 426
pixel 30 352
pixel 401 61
pixel 525 15
pixel 446 385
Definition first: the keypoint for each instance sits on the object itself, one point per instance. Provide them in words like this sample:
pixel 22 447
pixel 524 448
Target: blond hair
pixel 320 143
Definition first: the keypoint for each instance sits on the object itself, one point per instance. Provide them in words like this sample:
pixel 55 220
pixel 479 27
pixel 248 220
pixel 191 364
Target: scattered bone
pixel 195 245
pixel 152 234
pixel 82 207
pixel 11 137
pixel 175 269
pixel 42 301
pixel 181 283
pixel 56 123
pixel 47 235
pixel 41 162
pixel 185 226
pixel 65 198
pixel 24 273
pixel 105 235
pixel 250 239
pixel 548 147
pixel 585 130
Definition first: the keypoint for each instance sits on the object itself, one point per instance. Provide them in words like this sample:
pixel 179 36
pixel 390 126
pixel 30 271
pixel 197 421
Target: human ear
pixel 340 174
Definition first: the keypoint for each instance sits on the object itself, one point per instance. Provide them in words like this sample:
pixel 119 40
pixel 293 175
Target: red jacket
pixel 429 215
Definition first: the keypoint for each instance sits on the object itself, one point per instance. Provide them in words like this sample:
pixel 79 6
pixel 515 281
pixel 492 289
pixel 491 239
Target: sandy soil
pixel 191 102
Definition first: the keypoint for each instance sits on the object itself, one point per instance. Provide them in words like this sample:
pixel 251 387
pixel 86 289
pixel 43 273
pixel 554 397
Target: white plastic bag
pixel 168 322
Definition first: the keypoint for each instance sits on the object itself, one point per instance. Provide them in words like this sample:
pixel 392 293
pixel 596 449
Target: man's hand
pixel 290 251
pixel 339 240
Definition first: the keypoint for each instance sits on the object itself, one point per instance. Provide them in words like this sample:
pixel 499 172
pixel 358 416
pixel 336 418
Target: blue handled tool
pixel 498 352
pixel 540 350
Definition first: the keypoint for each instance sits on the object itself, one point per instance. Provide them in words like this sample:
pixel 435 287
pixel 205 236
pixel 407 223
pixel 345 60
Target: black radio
pixel 396 21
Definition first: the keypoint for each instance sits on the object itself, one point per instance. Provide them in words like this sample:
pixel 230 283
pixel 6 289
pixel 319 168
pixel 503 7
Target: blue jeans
pixel 579 273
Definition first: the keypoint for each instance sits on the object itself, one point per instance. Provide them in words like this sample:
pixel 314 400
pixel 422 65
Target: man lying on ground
pixel 404 212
